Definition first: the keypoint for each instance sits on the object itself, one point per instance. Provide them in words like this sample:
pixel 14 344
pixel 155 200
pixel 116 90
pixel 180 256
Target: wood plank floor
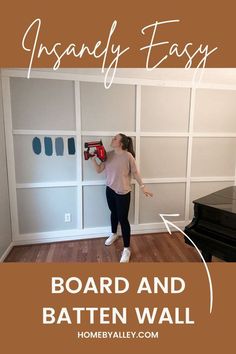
pixel 159 247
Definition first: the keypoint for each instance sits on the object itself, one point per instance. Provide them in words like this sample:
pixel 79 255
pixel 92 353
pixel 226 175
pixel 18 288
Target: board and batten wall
pixel 5 219
pixel 185 142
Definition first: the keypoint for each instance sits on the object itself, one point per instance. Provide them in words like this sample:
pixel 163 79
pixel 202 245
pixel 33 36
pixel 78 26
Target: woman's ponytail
pixel 130 146
pixel 127 144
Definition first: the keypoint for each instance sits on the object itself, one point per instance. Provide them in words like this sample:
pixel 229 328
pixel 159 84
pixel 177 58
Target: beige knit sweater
pixel 119 168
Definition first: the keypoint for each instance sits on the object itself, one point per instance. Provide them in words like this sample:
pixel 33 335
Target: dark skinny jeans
pixel 119 207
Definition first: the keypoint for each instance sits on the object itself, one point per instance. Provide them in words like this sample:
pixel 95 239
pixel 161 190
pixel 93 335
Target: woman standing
pixel 119 166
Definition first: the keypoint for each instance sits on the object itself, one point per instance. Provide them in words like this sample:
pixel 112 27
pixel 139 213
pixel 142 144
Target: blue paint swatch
pixel 59 146
pixel 48 146
pixel 71 146
pixel 37 147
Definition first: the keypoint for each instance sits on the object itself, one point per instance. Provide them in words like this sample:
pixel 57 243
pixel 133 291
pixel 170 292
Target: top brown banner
pixel 123 34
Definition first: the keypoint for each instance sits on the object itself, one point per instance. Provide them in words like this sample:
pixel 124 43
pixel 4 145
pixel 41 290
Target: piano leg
pixel 207 256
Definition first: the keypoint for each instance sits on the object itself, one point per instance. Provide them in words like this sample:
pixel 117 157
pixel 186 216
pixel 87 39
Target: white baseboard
pixel 89 233
pixel 30 239
pixel 6 253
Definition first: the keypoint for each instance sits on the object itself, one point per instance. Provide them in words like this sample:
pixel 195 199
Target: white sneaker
pixel 125 255
pixel 111 239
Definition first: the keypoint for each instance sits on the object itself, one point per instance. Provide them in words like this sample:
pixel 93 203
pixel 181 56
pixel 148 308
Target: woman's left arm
pixel 138 178
pixel 143 188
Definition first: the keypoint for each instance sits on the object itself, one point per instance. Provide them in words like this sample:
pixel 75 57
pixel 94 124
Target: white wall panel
pixel 32 168
pixel 163 157
pixel 42 104
pixel 213 157
pixel 43 209
pixel 168 199
pixel 164 109
pixel 110 109
pixel 215 111
pixel 95 211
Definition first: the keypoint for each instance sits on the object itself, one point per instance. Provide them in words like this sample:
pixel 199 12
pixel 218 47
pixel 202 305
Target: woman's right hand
pixel 98 167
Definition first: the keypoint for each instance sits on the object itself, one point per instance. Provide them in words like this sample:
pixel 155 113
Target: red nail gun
pixel 98 150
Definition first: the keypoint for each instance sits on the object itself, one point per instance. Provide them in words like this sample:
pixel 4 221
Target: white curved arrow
pixel 167 223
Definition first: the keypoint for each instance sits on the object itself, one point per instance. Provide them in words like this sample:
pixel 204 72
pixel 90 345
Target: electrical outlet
pixel 67 217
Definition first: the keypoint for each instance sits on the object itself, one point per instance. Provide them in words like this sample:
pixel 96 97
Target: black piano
pixel 213 228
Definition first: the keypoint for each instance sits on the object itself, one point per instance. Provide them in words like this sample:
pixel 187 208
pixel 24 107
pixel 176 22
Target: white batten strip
pixel 105 133
pixel 103 182
pixel 164 134
pixel 56 75
pixel 44 132
pixel 213 179
pixel 46 184
pixel 165 180
pixel 214 135
pixel 130 133
pixel 78 157
pixel 189 152
pixel 10 155
pixel 138 149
